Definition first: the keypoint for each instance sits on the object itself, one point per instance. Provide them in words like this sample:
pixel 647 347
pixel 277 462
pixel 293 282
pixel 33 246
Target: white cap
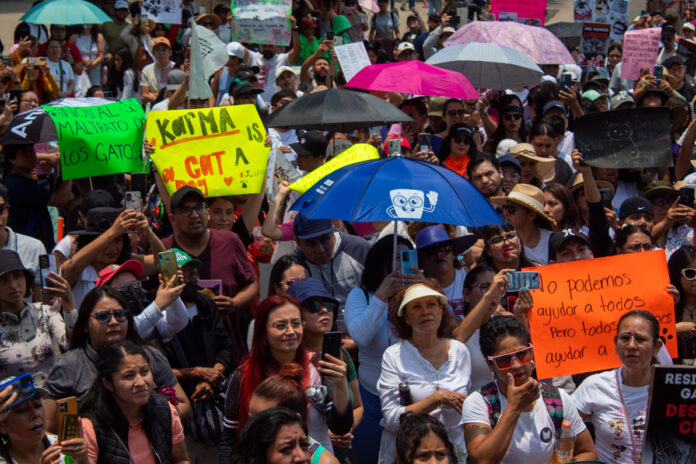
pixel 574 69
pixel 547 78
pixel 504 147
pixel 235 49
pixel 118 4
pixel 419 291
pixel 283 69
pixel 404 46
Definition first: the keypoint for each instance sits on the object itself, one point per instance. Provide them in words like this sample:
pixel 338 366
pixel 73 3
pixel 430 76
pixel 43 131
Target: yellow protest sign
pixel 355 154
pixel 221 150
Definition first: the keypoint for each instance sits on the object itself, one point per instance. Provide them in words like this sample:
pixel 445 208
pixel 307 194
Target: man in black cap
pixel 637 211
pixel 675 71
pixel 244 93
pixel 569 245
pixel 223 256
pixel 311 150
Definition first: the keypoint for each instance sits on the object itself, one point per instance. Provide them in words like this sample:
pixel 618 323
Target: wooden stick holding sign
pixel 577 309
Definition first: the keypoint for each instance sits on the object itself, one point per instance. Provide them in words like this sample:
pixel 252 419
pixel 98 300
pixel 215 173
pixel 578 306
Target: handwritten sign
pixel 577 309
pixel 99 140
pixel 640 50
pixel 352 57
pixel 162 11
pixel 670 434
pixel 218 150
pixel 262 21
pixel 355 154
pixel 630 138
pixel 526 10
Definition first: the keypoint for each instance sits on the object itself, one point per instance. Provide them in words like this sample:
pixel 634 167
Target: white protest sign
pixel 262 21
pixel 352 57
pixel 162 11
pixel 208 54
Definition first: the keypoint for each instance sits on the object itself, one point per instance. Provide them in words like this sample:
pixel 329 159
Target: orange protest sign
pixel 577 309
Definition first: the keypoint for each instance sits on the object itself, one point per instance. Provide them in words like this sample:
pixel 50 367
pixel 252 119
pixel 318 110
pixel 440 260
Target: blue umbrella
pixel 397 189
pixel 65 13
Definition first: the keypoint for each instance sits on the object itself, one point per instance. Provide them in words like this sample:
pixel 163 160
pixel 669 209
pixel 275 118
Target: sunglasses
pixel 437 250
pixel 689 273
pixel 460 140
pixel 512 117
pixel 504 361
pixel 104 317
pixel 510 209
pixel 314 306
pixel 456 112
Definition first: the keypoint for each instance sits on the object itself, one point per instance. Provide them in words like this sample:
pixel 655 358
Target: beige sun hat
pixel 526 150
pixel 526 195
pixel 419 291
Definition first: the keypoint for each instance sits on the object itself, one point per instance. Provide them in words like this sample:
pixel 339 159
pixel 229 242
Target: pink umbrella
pixel 370 5
pixel 414 77
pixel 536 42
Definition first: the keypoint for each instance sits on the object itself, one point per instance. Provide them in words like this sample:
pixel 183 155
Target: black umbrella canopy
pixel 336 110
pixel 30 127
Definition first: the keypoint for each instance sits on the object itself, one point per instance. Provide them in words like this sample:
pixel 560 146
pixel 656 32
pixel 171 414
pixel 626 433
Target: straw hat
pixel 526 150
pixel 215 19
pixel 576 182
pixel 526 195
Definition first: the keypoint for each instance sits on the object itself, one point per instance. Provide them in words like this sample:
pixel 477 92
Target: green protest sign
pixel 99 140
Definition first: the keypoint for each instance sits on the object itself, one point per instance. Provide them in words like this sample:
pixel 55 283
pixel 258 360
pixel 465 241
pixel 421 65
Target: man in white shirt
pixel 61 69
pixel 154 76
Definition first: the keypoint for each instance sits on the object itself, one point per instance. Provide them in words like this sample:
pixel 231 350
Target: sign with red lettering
pixel 532 12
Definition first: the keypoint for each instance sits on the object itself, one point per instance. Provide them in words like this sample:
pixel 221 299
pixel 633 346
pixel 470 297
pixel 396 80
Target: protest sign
pixel 534 10
pixel 630 138
pixel 352 57
pixel 208 54
pixel 98 140
pixel 280 169
pixel 355 154
pixel 670 434
pixel 687 49
pixel 574 319
pixel 611 12
pixel 162 11
pixel 594 43
pixel 640 50
pixel 220 150
pixel 262 21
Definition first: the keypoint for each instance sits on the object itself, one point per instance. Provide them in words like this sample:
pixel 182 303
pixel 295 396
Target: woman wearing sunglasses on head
pixel 682 274
pixel 509 420
pixel 103 319
pixel 616 401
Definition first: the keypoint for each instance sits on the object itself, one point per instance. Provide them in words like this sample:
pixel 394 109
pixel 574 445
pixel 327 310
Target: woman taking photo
pixel 457 148
pixel 616 401
pixel 127 420
pixel 437 370
pixel 560 206
pixel 502 248
pixel 422 438
pixel 507 421
pixel 682 274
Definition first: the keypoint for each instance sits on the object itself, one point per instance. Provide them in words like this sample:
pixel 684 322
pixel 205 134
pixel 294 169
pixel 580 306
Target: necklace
pixel 691 310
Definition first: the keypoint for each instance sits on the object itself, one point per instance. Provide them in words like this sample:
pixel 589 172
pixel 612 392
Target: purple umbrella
pixel 415 78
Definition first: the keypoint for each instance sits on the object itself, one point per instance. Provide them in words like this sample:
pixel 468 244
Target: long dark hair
pixel 259 434
pixel 80 333
pixel 412 430
pixel 115 77
pixel 447 143
pixel 380 261
pixel 571 214
pixel 284 263
pixel 499 134
pixel 680 259
pixel 488 232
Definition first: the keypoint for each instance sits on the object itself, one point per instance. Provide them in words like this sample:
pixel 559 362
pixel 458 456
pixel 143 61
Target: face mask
pixel 268 54
pixel 137 299
pixel 190 291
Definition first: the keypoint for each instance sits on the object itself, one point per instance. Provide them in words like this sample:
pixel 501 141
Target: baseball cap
pixel 282 69
pixel 593 95
pixel 554 104
pixel 448 30
pixel 244 88
pixel 689 26
pixel 312 143
pixel 120 4
pixel 305 228
pixel 504 147
pixel 109 272
pixel 672 60
pixel 161 41
pixel 305 289
pixel 184 258
pixel 558 239
pixel 235 49
pixel 308 24
pixel 405 46
pixel 620 98
pixel 182 193
pixel 175 78
pixel 509 160
pixel 635 205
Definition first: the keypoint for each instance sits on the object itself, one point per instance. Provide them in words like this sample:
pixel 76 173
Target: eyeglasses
pixel 4 207
pixel 34 101
pixel 636 247
pixel 500 239
pixel 460 140
pixel 436 250
pixel 511 175
pixel 283 326
pixel 625 338
pixel 456 112
pixel 689 273
pixel 483 288
pixel 512 117
pixel 314 306
pixel 510 209
pixel 104 317
pixel 136 284
pixel 504 361
pixel 186 210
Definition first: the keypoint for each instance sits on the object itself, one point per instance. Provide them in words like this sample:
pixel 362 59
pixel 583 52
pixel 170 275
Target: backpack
pixel 550 394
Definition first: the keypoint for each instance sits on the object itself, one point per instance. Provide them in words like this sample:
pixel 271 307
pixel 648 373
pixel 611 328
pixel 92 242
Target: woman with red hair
pixel 278 341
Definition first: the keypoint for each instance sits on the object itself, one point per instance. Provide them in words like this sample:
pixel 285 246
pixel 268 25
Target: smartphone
pixel 144 16
pixel 686 196
pixel 167 266
pixel 47 264
pixel 34 60
pixel 329 36
pixel 409 259
pixel 605 197
pixel 658 71
pixel 517 281
pixel 23 385
pixel 16 95
pixel 133 201
pixel 394 147
pixel 68 420
pixel 338 40
pixel 424 142
pixel 567 80
pixel 332 344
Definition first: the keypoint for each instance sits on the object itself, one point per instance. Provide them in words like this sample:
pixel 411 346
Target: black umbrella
pixel 336 110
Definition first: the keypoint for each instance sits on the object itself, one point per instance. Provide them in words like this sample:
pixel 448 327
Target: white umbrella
pixel 489 65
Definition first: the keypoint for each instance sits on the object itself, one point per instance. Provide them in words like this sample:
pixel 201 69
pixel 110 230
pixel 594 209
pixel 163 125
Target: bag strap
pixel 552 400
pixel 130 458
pixel 491 396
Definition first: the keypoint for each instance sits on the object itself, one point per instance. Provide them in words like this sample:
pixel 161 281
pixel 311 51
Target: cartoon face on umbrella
pixel 410 204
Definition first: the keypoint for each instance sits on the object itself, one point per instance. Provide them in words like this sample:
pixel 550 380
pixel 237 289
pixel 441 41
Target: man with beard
pixel 485 174
pixel 222 256
pixel 320 69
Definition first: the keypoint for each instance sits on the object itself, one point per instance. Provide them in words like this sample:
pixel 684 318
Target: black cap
pixel 311 143
pixel 96 199
pixel 220 7
pixel 557 240
pixel 676 59
pixel 183 192
pixel 98 221
pixel 305 228
pixel 635 205
pixel 244 88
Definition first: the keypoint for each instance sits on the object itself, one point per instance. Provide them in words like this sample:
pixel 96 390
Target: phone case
pixel 525 279
pixel 132 201
pixel 409 259
pixel 47 264
pixel 168 266
pixel 68 420
pixel 332 344
pixel 23 385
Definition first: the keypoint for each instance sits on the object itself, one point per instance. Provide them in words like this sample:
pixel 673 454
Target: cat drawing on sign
pixel 620 138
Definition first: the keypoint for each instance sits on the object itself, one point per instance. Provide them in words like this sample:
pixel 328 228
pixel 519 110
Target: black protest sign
pixel 687 50
pixel 670 436
pixel 624 139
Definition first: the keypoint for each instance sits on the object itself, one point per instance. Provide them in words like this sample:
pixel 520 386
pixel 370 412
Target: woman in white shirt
pixel 92 46
pixel 616 401
pixel 436 370
pixel 508 420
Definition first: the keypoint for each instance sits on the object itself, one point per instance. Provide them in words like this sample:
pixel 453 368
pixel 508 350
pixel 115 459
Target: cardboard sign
pixel 99 140
pixel 687 49
pixel 594 44
pixel 208 54
pixel 279 169
pixel 262 21
pixel 630 138
pixel 352 57
pixel 162 11
pixel 576 311
pixel 640 50
pixel 221 150
pixel 355 154
pixel 534 10
pixel 671 425
pixel 611 12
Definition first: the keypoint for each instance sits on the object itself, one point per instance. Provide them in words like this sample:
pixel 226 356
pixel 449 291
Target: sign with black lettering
pixel 625 139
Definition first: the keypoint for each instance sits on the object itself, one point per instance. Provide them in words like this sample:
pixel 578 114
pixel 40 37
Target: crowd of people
pixel 436 363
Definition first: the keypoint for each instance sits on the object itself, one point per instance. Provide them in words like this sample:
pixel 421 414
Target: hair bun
pixel 293 372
